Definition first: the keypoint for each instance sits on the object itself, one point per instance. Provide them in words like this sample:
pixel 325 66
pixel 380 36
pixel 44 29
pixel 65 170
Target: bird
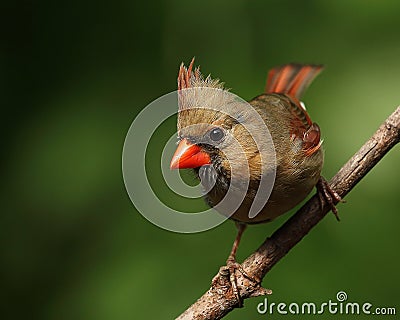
pixel 210 120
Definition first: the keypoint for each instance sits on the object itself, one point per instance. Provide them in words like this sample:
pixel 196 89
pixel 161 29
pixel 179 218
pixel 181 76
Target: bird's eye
pixel 216 134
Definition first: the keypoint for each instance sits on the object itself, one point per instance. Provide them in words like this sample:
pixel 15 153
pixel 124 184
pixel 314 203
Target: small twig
pixel 219 299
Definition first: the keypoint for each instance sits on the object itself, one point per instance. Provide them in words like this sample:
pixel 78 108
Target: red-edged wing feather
pixel 292 80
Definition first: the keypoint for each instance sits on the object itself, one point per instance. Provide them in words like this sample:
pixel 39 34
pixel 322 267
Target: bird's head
pixel 213 127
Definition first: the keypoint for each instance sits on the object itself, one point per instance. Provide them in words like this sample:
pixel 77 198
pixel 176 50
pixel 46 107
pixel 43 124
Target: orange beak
pixel 189 155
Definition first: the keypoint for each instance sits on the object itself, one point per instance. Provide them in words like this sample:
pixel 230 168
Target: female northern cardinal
pixel 296 140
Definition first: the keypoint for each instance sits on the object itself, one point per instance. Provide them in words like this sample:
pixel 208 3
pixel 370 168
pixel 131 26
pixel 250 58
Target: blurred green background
pixel 74 75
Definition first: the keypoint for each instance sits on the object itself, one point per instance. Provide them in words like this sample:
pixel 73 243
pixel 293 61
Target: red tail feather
pixel 291 79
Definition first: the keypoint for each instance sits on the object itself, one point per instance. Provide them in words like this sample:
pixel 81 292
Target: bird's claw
pixel 231 266
pixel 328 195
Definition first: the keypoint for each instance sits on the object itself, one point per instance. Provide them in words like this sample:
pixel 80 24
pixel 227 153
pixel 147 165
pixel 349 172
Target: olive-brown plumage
pixel 218 134
pixel 296 139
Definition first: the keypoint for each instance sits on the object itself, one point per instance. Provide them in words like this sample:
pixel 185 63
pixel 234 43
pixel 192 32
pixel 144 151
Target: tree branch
pixel 220 300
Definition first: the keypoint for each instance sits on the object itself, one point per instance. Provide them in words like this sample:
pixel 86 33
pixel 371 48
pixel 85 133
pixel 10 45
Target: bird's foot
pixel 232 266
pixel 328 195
